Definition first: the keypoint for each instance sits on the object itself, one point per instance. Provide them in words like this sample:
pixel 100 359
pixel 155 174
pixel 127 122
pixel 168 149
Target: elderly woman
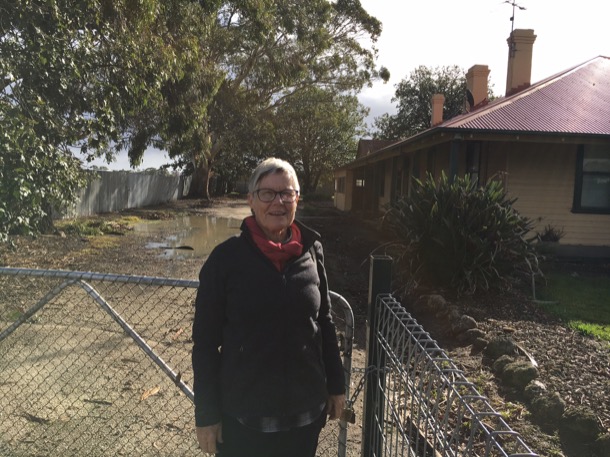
pixel 265 356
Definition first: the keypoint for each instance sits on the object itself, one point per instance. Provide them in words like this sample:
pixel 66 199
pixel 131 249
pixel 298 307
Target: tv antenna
pixel 514 4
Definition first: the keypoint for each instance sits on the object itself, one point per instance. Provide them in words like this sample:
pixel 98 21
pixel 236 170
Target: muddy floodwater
pixel 189 236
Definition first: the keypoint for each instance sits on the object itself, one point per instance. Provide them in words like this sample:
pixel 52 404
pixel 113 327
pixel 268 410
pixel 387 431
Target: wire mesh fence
pixel 422 404
pixel 99 364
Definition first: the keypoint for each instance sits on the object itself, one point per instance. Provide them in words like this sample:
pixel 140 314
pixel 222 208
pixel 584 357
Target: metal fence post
pixel 380 280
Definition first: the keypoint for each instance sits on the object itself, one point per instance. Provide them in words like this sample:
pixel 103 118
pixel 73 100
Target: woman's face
pixel 276 216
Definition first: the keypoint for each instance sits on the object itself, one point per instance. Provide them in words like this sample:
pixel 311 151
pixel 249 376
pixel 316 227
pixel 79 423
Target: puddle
pixel 189 236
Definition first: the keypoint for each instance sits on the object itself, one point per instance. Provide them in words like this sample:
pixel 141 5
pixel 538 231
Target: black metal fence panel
pixel 421 404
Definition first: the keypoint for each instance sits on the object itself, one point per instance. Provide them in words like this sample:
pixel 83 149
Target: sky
pixel 438 33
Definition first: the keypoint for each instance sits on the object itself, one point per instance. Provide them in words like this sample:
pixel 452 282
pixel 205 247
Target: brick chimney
pixel 476 83
pixel 520 45
pixel 438 101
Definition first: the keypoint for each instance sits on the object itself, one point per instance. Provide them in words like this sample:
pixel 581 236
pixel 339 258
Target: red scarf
pixel 278 253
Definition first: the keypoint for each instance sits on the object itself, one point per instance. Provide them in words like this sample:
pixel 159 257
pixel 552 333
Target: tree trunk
pixel 202 167
pixel 45 224
pixel 305 183
pixel 316 182
pixel 200 180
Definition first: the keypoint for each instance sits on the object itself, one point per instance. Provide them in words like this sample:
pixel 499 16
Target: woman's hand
pixel 208 437
pixel 334 406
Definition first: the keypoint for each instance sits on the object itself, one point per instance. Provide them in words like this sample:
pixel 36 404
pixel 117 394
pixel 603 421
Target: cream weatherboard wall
pixel 343 200
pixel 542 177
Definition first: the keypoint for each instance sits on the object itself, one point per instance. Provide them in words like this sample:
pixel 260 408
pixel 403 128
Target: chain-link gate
pixel 100 365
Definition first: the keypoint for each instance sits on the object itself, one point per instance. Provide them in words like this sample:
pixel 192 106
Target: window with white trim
pixel 592 184
pixel 340 185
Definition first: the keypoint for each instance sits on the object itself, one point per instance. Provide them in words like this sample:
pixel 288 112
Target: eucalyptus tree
pixel 413 96
pixel 190 77
pixel 70 71
pixel 317 130
pixel 254 55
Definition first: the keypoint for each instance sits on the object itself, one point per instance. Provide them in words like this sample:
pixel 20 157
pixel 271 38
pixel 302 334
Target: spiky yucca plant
pixel 461 236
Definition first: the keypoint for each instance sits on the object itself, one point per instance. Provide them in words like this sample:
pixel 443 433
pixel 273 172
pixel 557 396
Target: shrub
pixel 459 236
pixel 551 234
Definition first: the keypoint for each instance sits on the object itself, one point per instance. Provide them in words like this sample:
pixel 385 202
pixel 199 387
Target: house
pixel 548 142
pixel 344 195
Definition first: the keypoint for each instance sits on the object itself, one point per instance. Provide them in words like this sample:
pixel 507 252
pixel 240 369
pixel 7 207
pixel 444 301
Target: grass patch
pixel 103 242
pixel 14 315
pixel 94 226
pixel 581 301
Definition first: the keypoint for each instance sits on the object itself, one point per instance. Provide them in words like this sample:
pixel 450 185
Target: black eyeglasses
pixel 268 195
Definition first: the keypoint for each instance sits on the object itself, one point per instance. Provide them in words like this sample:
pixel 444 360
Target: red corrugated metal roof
pixel 575 101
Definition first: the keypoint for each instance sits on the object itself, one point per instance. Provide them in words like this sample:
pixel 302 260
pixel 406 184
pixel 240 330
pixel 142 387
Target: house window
pixel 359 182
pixel 473 161
pixel 592 188
pixel 400 175
pixel 340 185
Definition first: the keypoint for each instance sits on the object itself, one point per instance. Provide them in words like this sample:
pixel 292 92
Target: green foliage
pixel 414 97
pixel 459 236
pixel 70 72
pixel 34 176
pixel 550 234
pixel 251 58
pixel 316 130
pixel 197 79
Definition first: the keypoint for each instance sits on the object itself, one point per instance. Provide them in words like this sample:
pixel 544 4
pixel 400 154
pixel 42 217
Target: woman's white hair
pixel 270 166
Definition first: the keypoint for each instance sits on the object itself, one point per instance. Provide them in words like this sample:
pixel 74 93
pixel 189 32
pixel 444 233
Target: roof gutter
pixel 440 135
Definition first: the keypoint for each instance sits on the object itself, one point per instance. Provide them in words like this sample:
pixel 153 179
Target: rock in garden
pixel 480 343
pixel 519 373
pixel 463 323
pixel 470 336
pixel 474 334
pixel 501 362
pixel 548 407
pixel 499 346
pixel 430 303
pixel 533 390
pixel 582 422
pixel 602 445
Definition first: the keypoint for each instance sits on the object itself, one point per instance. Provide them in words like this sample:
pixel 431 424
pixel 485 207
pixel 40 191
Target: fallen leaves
pixel 150 392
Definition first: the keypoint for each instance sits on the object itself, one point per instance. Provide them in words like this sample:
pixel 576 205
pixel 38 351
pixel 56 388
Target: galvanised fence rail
pixel 100 365
pixel 418 403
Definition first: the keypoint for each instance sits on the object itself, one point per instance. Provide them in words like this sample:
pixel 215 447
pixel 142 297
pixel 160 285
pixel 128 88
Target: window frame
pixel 578 184
pixel 340 185
pixel 473 161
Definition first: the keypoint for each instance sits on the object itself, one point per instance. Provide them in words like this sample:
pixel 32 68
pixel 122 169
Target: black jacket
pixel 264 343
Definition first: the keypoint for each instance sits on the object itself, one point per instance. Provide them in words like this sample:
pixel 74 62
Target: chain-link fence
pixel 421 404
pixel 99 365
